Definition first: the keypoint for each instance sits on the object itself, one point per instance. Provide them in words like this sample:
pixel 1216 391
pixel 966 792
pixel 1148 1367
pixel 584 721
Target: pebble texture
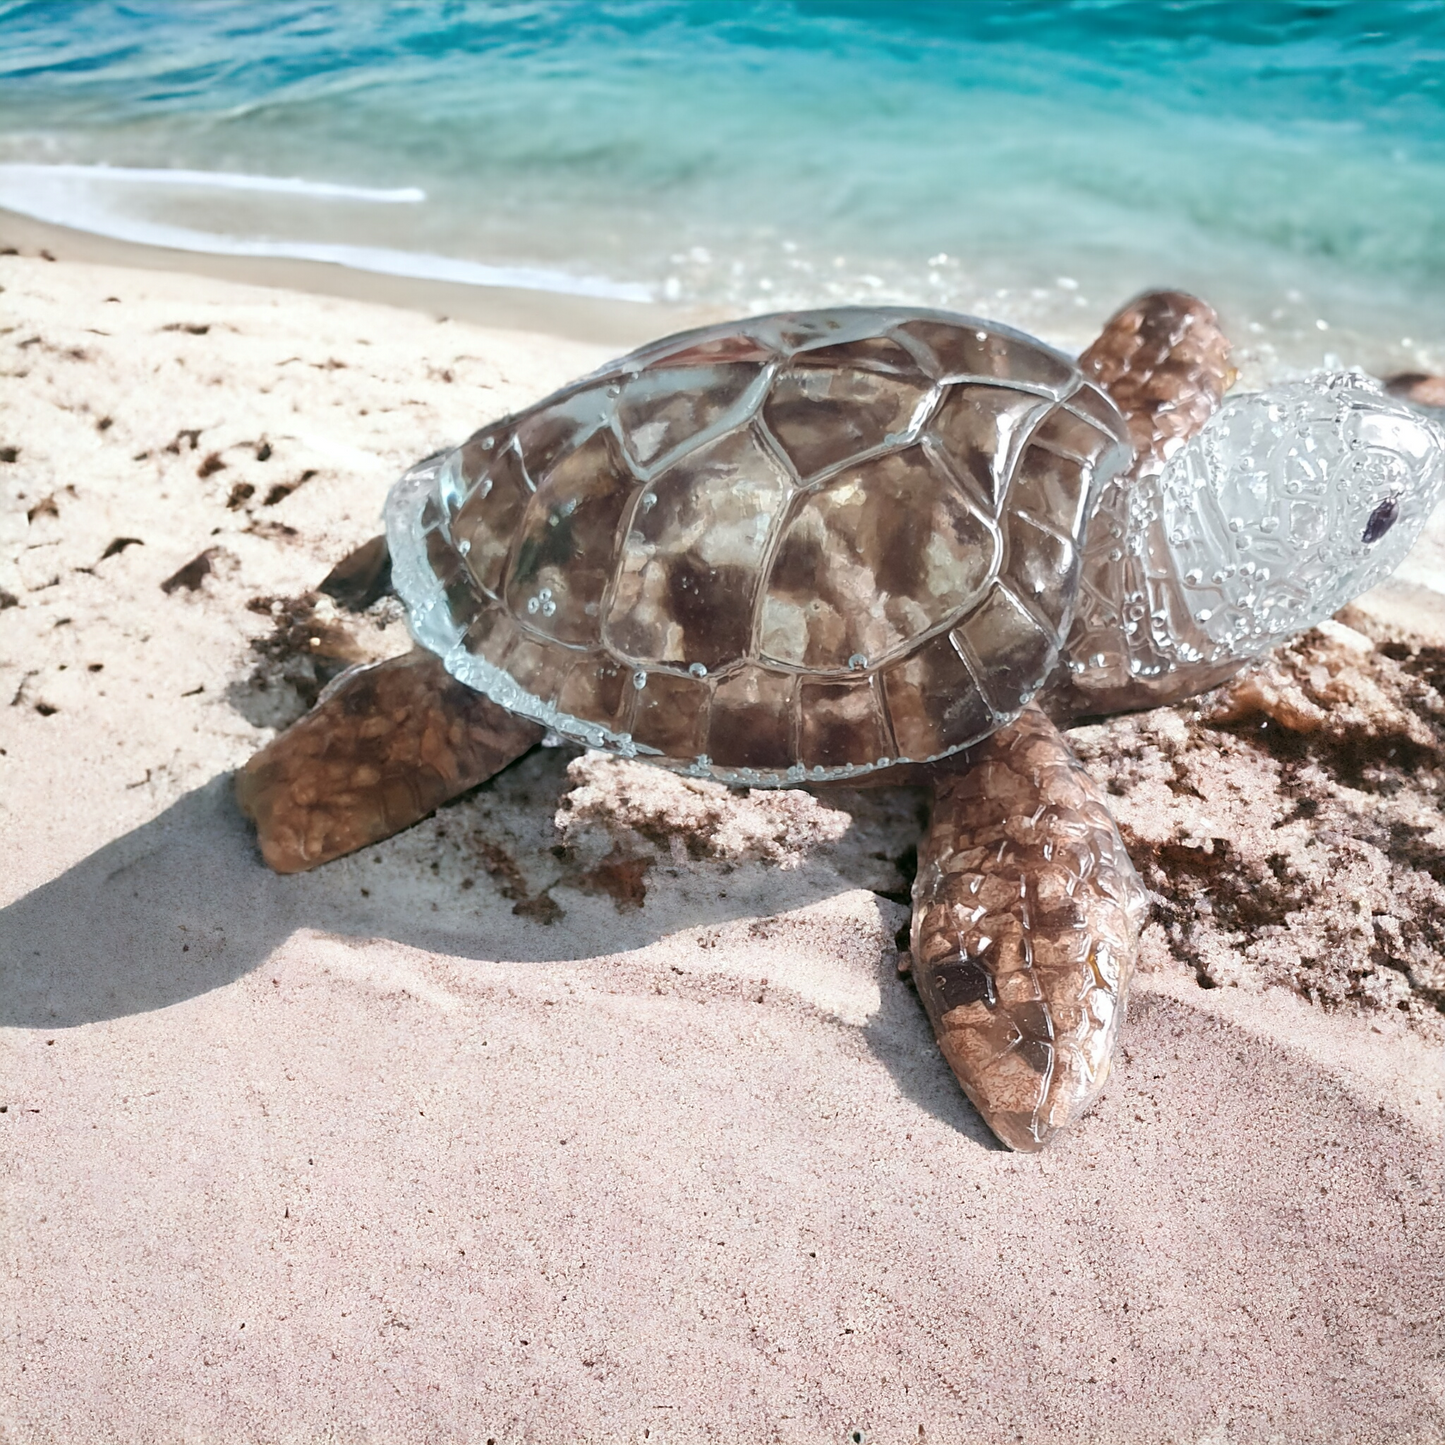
pixel 390 744
pixel 1026 919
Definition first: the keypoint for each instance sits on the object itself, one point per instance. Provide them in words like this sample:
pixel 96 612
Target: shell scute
pixel 1038 556
pixel 1091 403
pixel 566 543
pixel 489 517
pixel 491 635
pixel 994 351
pixel 666 407
pixel 538 668
pixel 711 347
pixel 934 702
pixel 597 690
pixel 841 724
pixel 823 413
pixel 751 727
pixel 1009 647
pixel 1063 432
pixel 693 556
pixel 790 332
pixel 881 354
pixel 546 434
pixel 979 429
pixel 670 715
pixel 1051 488
pixel 877 556
pixel 458 593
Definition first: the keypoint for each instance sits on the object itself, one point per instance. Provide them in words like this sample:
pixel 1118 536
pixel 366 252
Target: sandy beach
pixel 524 1126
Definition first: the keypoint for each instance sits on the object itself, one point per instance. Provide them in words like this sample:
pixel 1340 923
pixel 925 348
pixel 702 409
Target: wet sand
pixel 615 324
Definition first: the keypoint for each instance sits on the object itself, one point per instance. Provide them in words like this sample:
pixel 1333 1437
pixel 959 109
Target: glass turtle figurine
pixel 829 544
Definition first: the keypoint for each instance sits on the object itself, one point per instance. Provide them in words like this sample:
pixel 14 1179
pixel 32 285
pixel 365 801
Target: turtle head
pixel 1289 503
pixel 1283 507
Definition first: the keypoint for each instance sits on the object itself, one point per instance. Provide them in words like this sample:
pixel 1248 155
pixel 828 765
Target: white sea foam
pixel 104 201
pixel 18 175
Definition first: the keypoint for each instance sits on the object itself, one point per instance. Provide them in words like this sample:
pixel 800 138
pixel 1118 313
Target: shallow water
pixel 1037 162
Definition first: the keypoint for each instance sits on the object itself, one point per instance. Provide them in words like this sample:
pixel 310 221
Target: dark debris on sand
pixel 294 661
pixel 1289 825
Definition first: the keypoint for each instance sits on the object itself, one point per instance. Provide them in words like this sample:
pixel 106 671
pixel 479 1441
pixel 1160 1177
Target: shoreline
pixel 1263 353
pixel 589 319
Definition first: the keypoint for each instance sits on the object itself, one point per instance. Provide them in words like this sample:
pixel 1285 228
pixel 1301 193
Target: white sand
pixel 367 1155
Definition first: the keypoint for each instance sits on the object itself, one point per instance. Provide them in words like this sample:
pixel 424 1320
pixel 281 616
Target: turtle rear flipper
pixel 362 577
pixel 385 746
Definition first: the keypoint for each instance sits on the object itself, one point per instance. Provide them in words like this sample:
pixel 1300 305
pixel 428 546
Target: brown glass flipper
pixel 1026 919
pixel 386 746
pixel 1164 362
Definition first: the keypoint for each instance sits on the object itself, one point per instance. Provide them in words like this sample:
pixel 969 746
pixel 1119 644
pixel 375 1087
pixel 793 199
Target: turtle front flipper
pixel 1026 920
pixel 1164 361
pixel 385 746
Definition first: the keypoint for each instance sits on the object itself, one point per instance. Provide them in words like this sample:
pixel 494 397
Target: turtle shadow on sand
pixel 183 904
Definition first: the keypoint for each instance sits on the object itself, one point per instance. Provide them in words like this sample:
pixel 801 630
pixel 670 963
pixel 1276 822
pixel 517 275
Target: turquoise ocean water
pixel 1033 161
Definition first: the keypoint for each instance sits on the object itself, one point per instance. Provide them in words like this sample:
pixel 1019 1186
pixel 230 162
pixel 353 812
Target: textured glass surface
pixel 751 726
pixel 873 559
pixel 802 545
pixel 843 723
pixel 1262 524
pixel 934 701
pixel 492 636
pixel 979 429
pixel 598 688
pixel 1040 555
pixel 1011 651
pixel 987 350
pixel 564 552
pixel 694 548
pixel 497 496
pixel 837 402
pixel 546 433
pixel 1026 918
pixel 670 714
pixel 660 409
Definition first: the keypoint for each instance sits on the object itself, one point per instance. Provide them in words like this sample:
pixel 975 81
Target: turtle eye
pixel 1381 520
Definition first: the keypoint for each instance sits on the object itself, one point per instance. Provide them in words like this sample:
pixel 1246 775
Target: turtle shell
pixel 798 546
